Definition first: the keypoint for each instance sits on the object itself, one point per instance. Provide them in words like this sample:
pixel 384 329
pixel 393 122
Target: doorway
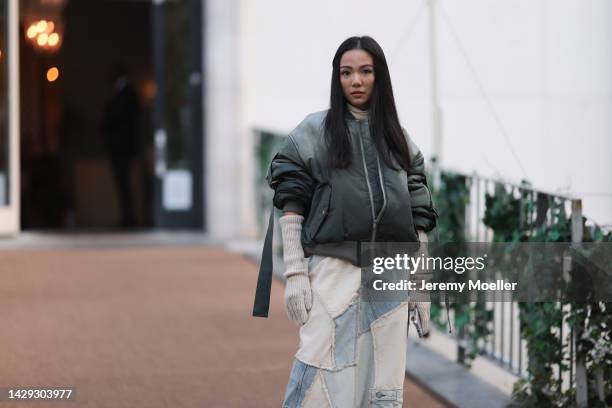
pixel 66 168
pixel 94 105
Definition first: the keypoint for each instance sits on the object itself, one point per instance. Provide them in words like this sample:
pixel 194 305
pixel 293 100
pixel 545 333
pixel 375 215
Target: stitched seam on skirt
pixel 323 367
pixel 325 390
pixel 382 318
pixel 376 365
pixel 337 367
pixel 333 331
pixel 356 291
pixel 332 351
pixel 374 341
pixel 314 292
pixel 299 388
pixel 319 364
pixel 310 390
pixel 355 340
pixel 333 340
pixel 333 367
pixel 357 323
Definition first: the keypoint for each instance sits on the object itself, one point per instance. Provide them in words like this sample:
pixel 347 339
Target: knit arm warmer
pixel 293 254
pixel 423 274
pixel 298 294
pixel 423 306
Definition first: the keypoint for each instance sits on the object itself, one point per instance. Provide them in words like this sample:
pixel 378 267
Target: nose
pixel 356 80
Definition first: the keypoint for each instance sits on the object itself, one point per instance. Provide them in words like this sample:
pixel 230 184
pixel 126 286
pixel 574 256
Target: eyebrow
pixel 363 66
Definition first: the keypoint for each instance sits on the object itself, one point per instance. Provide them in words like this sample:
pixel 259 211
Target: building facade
pixel 528 100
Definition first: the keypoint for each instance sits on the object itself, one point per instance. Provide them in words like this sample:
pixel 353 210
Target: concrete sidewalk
pixel 145 327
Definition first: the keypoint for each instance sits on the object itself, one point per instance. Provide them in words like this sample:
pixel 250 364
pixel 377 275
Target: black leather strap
pixel 264 280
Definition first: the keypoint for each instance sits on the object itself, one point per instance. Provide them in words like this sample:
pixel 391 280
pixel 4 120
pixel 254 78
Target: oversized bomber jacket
pixel 367 201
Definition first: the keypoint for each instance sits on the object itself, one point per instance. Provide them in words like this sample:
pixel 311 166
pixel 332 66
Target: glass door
pixel 9 114
pixel 177 117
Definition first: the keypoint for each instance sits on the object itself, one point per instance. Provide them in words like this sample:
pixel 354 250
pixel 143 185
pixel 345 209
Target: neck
pixel 359 114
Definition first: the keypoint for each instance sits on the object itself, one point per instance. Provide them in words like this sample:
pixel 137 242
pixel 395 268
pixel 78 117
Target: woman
pixel 344 176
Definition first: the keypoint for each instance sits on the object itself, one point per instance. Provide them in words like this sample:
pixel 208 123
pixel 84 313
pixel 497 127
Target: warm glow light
pixel 42 39
pixel 41 27
pixel 149 90
pixel 42 33
pixel 53 39
pixel 32 31
pixel 52 74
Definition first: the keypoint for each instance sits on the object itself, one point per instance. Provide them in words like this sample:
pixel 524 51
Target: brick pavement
pixel 145 327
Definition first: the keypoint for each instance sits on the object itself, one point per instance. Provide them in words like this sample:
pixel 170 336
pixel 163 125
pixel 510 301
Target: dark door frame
pixel 193 218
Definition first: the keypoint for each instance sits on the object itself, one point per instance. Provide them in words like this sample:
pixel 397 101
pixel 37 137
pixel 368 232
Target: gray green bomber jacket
pixel 367 201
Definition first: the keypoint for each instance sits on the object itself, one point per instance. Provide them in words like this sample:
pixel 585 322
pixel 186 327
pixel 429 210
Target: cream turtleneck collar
pixel 359 114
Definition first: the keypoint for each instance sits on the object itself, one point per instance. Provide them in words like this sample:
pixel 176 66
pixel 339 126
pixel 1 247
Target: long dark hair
pixel 384 124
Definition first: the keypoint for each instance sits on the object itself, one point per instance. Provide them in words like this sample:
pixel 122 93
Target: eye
pixel 368 71
pixel 345 73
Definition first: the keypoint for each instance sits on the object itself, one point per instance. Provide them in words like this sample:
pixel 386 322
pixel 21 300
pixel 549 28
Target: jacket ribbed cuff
pixel 294 206
pixel 293 253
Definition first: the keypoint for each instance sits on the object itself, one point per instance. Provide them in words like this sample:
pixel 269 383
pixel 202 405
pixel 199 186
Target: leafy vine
pixel 521 215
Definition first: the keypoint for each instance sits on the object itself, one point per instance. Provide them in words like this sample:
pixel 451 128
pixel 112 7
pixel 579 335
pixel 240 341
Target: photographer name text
pixel 404 284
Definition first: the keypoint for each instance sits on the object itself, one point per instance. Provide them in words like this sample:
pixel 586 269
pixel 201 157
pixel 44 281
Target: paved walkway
pixel 145 327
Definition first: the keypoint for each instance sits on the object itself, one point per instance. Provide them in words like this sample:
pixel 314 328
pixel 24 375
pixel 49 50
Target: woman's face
pixel 357 77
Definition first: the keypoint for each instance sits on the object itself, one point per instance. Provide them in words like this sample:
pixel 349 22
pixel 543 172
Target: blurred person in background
pixel 344 175
pixel 120 133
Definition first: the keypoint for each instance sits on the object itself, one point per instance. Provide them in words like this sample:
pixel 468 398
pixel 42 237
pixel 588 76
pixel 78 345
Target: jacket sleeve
pixel 424 213
pixel 291 179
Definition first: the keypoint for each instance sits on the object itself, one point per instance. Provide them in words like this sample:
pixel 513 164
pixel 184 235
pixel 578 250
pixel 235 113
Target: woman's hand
pixel 422 307
pixel 298 298
pixel 423 311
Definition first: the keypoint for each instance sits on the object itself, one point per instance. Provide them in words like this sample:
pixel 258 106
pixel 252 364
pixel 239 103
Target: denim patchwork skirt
pixel 352 353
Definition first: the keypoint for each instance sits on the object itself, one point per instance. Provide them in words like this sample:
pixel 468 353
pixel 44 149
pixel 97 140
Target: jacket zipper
pixel 375 219
pixel 382 188
pixel 367 177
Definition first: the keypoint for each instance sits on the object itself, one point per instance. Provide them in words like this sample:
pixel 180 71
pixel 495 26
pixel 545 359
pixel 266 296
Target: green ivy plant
pixel 515 219
pixel 515 215
pixel 452 196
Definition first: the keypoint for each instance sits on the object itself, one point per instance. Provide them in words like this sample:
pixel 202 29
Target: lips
pixel 357 93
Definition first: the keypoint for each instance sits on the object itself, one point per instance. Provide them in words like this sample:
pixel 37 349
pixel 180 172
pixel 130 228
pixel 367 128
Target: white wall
pixel 9 214
pixel 221 90
pixel 544 66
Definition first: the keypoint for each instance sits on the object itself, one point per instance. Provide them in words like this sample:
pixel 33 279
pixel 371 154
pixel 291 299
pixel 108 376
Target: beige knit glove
pixel 422 307
pixel 298 294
